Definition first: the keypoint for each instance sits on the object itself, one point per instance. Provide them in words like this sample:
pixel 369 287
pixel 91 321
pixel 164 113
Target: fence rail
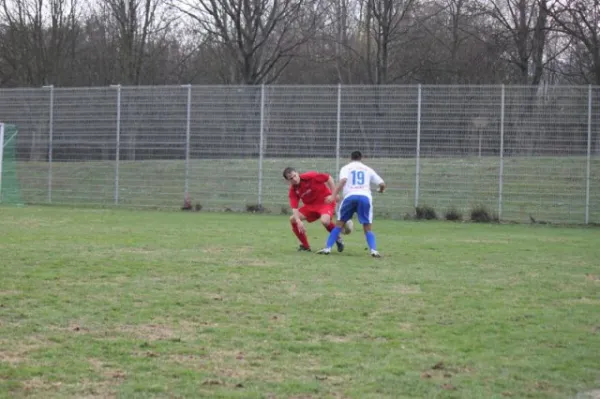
pixel 522 152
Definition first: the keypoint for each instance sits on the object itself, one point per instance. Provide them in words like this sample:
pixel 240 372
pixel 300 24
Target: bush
pixel 425 212
pixel 453 214
pixel 257 208
pixel 187 206
pixel 480 214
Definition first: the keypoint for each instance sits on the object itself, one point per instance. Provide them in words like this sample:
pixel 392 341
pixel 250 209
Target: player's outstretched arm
pixel 294 203
pixel 339 187
pixel 336 190
pixel 298 220
pixel 330 184
pixel 376 179
pixel 296 214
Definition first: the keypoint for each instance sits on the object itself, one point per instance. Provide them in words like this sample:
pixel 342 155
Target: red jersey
pixel 311 190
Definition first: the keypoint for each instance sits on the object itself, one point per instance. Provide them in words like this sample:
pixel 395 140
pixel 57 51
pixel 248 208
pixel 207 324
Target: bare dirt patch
pixel 407 289
pixel 347 338
pixel 442 373
pixel 188 360
pixel 543 386
pixel 212 250
pixel 230 364
pixel 13 358
pixel 157 332
pixel 10 292
pixel 108 372
pixel 253 262
pixel 336 338
pixel 106 389
pixel 19 352
pixel 593 394
pixel 34 384
pixel 243 250
pixel 584 300
pixel 137 250
pixel 472 241
pixel 38 387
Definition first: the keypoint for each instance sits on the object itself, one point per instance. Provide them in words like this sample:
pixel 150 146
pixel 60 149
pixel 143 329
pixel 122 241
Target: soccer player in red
pixel 312 188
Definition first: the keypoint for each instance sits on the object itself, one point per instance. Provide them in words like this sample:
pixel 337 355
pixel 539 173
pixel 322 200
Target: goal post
pixel 9 183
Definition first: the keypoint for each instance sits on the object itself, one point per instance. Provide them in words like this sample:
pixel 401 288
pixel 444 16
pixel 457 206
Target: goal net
pixel 9 183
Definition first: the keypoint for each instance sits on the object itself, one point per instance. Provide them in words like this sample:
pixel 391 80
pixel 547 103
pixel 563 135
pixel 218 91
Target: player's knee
pixel 292 219
pixel 325 219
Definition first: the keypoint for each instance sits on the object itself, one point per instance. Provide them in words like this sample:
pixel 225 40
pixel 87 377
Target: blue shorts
pixel 359 204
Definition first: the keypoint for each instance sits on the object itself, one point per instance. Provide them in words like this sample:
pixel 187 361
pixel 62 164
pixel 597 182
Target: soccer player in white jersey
pixel 355 180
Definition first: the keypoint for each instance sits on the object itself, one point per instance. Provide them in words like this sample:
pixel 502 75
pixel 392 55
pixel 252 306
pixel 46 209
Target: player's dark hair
pixel 287 171
pixel 356 156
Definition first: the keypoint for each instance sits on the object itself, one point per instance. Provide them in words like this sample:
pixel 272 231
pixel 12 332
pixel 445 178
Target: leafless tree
pixel 136 22
pixel 385 22
pixel 525 29
pixel 580 20
pixel 38 38
pixel 37 42
pixel 132 42
pixel 260 36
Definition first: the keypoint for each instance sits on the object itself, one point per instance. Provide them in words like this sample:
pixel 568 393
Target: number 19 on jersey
pixel 358 177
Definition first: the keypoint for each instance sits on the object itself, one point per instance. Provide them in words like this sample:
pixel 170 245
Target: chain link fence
pixel 525 153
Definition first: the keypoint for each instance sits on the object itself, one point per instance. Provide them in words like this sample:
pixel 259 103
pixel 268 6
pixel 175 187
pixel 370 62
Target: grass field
pixel 120 303
pixel 551 189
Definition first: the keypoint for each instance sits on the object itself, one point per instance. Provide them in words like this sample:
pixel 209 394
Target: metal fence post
pixel 187 141
pixel 338 130
pixel 1 156
pixel 118 144
pixel 418 155
pixel 589 157
pixel 501 172
pixel 50 140
pixel 261 143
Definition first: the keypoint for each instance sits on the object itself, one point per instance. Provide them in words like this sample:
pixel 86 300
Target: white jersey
pixel 359 178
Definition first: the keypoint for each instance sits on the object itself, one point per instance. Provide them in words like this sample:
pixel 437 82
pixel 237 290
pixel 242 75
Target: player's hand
pixel 329 199
pixel 300 226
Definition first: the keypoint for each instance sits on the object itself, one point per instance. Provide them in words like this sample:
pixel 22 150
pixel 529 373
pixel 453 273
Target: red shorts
pixel 313 212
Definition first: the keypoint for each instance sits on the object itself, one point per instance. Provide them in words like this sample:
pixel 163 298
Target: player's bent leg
pixel 326 219
pixel 304 245
pixel 339 243
pixel 348 208
pixel 335 237
pixel 331 227
pixel 302 217
pixel 345 212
